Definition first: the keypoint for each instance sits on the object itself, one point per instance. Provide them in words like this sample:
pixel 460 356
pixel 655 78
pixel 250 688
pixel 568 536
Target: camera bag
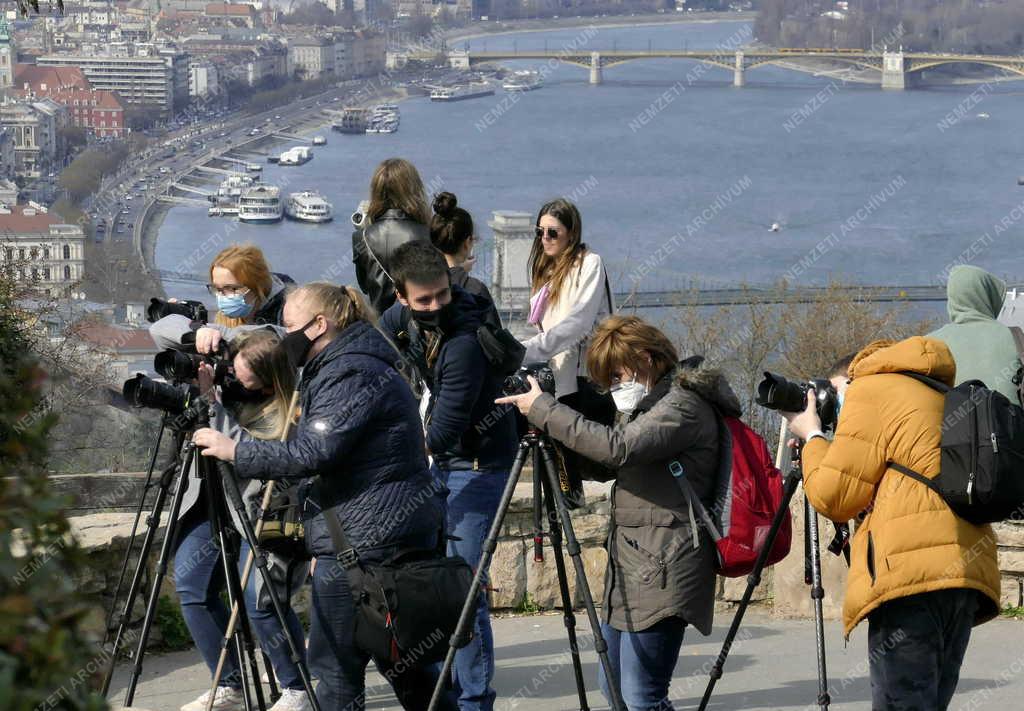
pixel 407 608
pixel 982 453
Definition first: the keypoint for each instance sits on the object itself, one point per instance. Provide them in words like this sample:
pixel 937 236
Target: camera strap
pixel 344 553
pixel 366 243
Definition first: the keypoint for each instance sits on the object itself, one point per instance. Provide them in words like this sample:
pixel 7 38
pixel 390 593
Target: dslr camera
pixel 193 310
pixel 777 393
pixel 359 216
pixel 517 384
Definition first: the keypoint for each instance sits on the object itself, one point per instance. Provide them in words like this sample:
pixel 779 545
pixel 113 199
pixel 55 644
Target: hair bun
pixel 445 204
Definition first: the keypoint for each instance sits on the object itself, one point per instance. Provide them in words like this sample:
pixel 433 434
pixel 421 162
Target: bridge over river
pixel 895 69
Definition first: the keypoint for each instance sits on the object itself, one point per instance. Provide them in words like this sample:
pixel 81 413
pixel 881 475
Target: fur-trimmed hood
pixel 712 385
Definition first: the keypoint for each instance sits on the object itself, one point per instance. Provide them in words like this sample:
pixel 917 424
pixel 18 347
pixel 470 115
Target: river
pixel 679 175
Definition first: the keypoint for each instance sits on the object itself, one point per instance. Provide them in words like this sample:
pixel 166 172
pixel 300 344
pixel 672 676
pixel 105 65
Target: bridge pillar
pixel 458 60
pixel 595 68
pixel 893 70
pixel 739 75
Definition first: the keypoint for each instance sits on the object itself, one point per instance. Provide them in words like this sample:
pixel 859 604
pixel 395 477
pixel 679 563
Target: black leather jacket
pixel 373 246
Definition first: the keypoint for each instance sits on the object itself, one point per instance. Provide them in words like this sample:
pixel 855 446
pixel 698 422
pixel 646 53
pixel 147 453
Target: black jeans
pixel 916 646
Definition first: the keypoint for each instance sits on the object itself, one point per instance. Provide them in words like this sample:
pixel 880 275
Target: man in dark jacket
pixel 374 245
pixel 472 441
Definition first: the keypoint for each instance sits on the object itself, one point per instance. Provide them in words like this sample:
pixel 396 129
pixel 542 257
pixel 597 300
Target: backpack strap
pixel 907 471
pixel 930 382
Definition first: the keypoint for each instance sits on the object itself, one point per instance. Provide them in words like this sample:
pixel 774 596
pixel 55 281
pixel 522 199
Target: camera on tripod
pixel 517 384
pixel 777 393
pixel 193 310
pixel 178 398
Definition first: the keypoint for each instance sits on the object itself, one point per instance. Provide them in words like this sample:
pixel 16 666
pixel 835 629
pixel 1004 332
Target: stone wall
pixel 518 582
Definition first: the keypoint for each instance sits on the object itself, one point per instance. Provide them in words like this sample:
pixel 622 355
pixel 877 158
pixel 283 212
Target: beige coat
pixel 566 326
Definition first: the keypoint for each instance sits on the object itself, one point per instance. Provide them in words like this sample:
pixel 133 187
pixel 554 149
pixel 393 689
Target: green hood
pixel 973 295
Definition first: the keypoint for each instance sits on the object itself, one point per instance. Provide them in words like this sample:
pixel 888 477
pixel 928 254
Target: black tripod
pixel 196 416
pixel 546 483
pixel 812 576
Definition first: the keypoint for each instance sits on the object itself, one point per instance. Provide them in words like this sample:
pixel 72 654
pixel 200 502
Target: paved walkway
pixel 772 666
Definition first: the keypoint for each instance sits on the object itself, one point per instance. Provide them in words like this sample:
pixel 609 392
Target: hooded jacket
pixel 656 569
pixel 982 347
pixel 360 444
pixel 910 542
pixel 271 311
pixel 465 429
pixel 372 247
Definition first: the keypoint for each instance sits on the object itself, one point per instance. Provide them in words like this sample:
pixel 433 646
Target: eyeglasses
pixel 552 234
pixel 227 290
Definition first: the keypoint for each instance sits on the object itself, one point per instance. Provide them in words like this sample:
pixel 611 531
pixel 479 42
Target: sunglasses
pixel 552 234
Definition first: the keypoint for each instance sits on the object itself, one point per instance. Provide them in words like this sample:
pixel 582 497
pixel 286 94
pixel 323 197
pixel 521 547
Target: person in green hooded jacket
pixel 983 348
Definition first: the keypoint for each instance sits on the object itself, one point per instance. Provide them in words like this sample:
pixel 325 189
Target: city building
pixel 202 78
pixel 40 249
pixel 231 13
pixel 359 54
pixel 8 54
pixel 140 74
pixel 8 193
pixel 99 112
pixel 7 164
pixel 310 57
pixel 34 127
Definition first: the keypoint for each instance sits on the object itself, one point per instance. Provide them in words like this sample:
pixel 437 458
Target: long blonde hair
pixel 396 184
pixel 341 305
pixel 269 363
pixel 247 263
pixel 556 271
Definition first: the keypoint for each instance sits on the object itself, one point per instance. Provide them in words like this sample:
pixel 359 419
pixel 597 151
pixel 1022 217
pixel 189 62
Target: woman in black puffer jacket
pixel 359 445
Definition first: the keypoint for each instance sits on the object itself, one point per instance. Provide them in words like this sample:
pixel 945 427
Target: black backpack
pixel 982 472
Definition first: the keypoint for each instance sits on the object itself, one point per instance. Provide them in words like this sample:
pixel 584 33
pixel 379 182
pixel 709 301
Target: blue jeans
pixel 269 631
pixel 339 666
pixel 643 662
pixel 472 503
pixel 199 578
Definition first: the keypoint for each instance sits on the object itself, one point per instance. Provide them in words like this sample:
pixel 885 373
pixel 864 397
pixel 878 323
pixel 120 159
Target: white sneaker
pixel 292 700
pixel 226 699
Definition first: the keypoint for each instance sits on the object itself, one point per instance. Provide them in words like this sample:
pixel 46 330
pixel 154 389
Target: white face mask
pixel 628 395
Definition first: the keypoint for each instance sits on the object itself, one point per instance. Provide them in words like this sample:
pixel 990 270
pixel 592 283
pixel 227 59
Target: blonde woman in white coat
pixel 570 294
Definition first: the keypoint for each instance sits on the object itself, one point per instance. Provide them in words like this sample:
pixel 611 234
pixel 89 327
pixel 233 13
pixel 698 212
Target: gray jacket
pixel 167 333
pixel 656 567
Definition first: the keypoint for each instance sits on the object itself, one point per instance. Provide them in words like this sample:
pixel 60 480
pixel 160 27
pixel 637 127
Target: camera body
pixel 777 393
pixel 193 310
pixel 517 384
pixel 182 365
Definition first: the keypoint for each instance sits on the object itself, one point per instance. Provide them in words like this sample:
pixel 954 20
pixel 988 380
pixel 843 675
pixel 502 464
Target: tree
pixel 45 660
pixel 310 13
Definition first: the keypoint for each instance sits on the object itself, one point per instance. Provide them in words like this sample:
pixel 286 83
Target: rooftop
pixel 25 220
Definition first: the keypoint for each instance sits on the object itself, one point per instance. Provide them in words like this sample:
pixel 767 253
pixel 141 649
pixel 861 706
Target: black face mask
pixel 296 345
pixel 433 320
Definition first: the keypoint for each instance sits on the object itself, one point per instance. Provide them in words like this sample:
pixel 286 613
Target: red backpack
pixel 748 493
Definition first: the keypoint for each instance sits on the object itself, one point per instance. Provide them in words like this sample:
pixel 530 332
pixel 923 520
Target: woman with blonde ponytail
pixel 359 444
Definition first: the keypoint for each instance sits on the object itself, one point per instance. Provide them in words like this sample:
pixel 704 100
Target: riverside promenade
pixel 772 666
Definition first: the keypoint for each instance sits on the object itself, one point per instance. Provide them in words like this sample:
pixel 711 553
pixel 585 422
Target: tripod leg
pixel 460 638
pixel 538 498
pixel 161 569
pixel 817 594
pixel 152 524
pixel 131 546
pixel 753 580
pixel 235 497
pixel 229 557
pixel 568 616
pixel 573 547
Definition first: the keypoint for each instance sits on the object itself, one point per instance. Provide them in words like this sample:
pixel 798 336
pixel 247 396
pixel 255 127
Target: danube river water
pixel 679 175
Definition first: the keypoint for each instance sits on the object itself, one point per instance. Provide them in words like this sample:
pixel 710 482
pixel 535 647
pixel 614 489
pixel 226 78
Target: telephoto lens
pixel 141 391
pixel 193 310
pixel 179 365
